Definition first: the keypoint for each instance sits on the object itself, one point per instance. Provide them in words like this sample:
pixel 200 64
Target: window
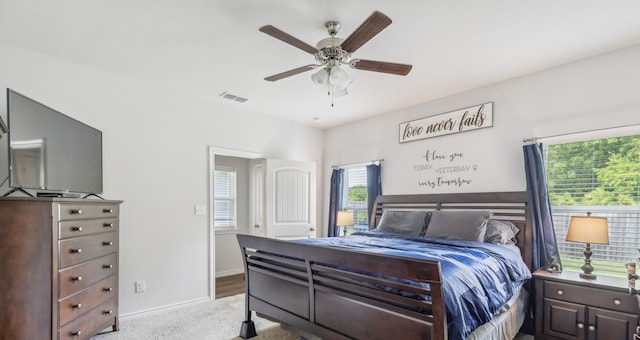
pixel 224 204
pixel 355 196
pixel 600 176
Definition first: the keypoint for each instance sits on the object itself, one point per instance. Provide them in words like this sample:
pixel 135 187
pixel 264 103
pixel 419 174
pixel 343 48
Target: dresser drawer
pixel 90 323
pixel 80 249
pixel 81 211
pixel 77 228
pixel 79 303
pixel 595 297
pixel 78 277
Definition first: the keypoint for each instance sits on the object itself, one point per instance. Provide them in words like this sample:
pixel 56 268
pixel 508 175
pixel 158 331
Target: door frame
pixel 213 151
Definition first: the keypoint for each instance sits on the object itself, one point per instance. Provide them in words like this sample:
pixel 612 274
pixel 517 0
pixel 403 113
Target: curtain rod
pixel 358 163
pixel 526 140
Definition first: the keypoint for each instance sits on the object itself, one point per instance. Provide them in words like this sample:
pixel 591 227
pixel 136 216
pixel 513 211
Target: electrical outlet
pixel 140 286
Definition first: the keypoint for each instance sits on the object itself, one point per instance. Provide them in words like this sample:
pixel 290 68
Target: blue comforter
pixel 479 278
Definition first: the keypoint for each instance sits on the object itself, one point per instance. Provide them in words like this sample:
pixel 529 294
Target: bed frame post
pixel 248 328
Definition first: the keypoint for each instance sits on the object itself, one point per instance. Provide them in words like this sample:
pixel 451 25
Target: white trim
pixel 580 136
pixel 156 310
pixel 230 272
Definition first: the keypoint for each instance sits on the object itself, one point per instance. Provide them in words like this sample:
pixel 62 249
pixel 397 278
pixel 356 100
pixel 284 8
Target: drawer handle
pixel 76 250
pixel 617 302
pixel 76 278
pixel 108 225
pixel 560 292
pixel 580 325
pixel 76 333
pixel 107 243
pixel 76 228
pixel 107 266
pixel 107 312
pixel 76 306
pixel 107 289
pixel 107 211
pixel 75 211
pixel 592 328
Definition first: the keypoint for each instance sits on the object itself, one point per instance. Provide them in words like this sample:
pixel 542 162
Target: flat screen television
pixel 49 151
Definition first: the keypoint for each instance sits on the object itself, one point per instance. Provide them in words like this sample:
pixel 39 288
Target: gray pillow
pixel 404 222
pixel 501 232
pixel 468 225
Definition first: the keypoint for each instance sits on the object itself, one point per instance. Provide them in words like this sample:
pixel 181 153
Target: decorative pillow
pixel 404 222
pixel 501 232
pixel 468 225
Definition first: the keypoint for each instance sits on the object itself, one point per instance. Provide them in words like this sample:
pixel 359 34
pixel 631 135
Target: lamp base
pixel 588 276
pixel 587 268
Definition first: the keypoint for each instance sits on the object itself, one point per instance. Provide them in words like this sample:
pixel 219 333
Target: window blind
pixel 224 204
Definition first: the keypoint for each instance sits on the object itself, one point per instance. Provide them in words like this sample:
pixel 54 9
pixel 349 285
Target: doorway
pixel 226 238
pixel 275 198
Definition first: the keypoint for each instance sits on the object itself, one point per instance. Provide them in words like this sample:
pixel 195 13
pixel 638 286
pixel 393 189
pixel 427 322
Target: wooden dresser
pixel 59 267
pixel 569 307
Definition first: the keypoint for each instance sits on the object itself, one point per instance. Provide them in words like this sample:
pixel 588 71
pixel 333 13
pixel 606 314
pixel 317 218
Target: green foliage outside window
pixel 602 172
pixel 357 194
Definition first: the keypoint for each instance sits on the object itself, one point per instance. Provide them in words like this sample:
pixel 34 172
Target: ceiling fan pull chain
pixel 331 98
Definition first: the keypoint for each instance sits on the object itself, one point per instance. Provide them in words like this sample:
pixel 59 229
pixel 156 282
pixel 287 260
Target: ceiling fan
pixel 332 52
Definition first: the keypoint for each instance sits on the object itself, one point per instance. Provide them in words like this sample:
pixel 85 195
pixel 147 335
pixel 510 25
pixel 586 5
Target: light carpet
pixel 215 320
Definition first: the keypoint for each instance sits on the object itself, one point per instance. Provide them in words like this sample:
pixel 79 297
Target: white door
pixel 289 199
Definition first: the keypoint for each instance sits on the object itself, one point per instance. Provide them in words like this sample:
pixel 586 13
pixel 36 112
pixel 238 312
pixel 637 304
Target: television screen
pixel 51 151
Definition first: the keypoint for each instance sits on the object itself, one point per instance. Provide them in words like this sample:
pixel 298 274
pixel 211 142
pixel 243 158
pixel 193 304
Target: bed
pixel 359 287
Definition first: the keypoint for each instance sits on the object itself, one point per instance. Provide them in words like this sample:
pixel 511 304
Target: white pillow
pixel 501 232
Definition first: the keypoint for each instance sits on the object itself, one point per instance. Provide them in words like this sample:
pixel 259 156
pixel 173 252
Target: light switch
pixel 200 209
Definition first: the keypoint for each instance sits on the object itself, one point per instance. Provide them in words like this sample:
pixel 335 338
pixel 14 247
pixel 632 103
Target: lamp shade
pixel 345 218
pixel 588 229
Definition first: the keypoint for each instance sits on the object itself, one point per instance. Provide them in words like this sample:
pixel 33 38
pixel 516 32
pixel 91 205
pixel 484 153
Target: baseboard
pixel 151 311
pixel 229 272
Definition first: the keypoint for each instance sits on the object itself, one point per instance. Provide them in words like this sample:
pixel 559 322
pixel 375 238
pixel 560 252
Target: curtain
pixel 545 248
pixel 335 201
pixel 374 187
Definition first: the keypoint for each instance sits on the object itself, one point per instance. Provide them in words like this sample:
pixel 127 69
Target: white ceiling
pixel 209 47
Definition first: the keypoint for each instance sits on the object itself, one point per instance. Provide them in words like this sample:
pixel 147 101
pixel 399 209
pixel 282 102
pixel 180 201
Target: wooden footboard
pixel 291 283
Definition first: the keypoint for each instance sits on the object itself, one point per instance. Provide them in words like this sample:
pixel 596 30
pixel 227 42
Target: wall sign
pixel 471 118
pixel 444 169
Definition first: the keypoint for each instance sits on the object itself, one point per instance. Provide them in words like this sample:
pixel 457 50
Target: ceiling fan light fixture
pixel 321 78
pixel 339 92
pixel 339 78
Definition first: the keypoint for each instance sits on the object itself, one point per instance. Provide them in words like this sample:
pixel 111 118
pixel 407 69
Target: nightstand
pixel 569 307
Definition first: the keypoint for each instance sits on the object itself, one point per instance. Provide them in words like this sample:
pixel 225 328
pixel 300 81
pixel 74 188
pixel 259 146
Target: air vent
pixel 233 97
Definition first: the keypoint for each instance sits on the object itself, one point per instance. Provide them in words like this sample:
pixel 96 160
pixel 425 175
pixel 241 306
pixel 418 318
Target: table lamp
pixel 344 220
pixel 589 230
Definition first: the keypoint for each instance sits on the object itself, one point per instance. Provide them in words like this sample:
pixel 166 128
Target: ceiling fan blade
pixel 289 39
pixel 381 66
pixel 290 73
pixel 374 24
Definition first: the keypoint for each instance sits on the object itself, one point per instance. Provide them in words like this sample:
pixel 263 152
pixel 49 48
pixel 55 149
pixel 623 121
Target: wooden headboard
pixel 509 206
